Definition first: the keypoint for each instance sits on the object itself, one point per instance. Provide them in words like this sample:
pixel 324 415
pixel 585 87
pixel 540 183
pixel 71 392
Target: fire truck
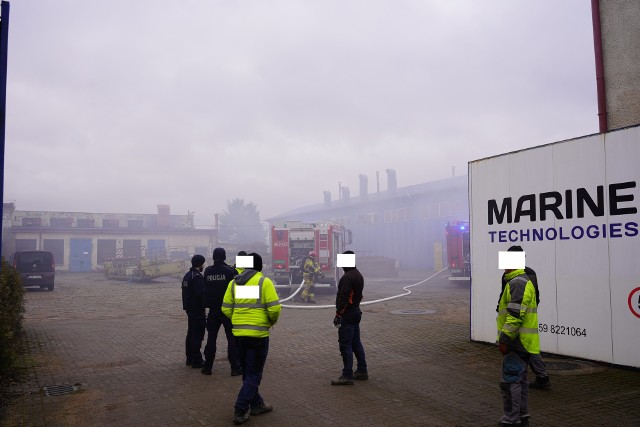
pixel 291 242
pixel 458 250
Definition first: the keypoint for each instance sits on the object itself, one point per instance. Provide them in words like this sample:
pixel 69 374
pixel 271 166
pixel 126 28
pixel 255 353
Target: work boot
pixel 197 365
pixel 188 362
pixel 342 381
pixel 362 376
pixel 206 371
pixel 236 372
pixel 241 417
pixel 541 383
pixel 263 408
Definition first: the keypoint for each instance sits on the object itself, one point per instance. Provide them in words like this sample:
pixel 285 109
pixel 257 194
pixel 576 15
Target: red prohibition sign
pixel 635 308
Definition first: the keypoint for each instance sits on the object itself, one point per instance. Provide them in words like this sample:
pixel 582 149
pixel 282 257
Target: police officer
pixel 217 278
pixel 310 272
pixel 192 292
pixel 252 304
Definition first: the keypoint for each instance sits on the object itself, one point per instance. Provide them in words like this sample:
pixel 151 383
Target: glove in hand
pixel 503 347
pixel 337 321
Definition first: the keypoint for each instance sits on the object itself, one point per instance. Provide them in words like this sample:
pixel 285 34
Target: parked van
pixel 36 268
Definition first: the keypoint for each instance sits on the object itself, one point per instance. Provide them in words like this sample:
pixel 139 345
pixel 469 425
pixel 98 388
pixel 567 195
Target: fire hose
pixel 405 288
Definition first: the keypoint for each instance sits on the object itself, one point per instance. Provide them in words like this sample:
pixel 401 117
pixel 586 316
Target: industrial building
pixel 83 241
pixel 404 223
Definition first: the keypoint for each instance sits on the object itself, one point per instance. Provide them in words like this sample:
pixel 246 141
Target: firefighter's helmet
pixel 313 254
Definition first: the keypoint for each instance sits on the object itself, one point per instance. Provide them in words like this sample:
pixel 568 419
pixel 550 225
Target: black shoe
pixel 197 365
pixel 361 376
pixel 206 371
pixel 541 383
pixel 188 362
pixel 236 372
pixel 262 409
pixel 524 422
pixel 241 417
pixel 342 381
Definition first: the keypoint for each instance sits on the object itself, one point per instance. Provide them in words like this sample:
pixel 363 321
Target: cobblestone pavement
pixel 124 344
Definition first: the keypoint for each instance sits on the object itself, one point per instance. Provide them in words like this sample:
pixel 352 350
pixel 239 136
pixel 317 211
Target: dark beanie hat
pixel 197 261
pixel 242 253
pixel 257 261
pixel 515 249
pixel 219 254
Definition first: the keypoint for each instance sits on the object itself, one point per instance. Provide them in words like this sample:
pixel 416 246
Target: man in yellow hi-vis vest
pixel 517 340
pixel 252 304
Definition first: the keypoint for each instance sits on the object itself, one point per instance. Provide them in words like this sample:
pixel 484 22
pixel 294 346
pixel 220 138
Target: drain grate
pixel 413 311
pixel 60 389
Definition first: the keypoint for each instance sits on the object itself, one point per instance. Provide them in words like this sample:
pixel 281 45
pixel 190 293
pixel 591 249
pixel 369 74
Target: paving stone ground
pixel 124 344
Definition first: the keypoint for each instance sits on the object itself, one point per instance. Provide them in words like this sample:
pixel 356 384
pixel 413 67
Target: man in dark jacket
pixel 217 278
pixel 192 292
pixel 347 320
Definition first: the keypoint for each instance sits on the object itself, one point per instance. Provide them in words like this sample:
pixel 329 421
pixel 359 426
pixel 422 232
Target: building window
pixel 31 222
pixel 402 214
pixel 365 219
pixel 61 222
pixel 86 223
pixel 110 223
pixel 134 223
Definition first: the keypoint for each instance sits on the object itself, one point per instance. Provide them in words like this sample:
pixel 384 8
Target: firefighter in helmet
pixel 310 273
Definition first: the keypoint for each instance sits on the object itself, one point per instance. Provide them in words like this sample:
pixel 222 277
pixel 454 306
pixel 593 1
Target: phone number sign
pixel 634 302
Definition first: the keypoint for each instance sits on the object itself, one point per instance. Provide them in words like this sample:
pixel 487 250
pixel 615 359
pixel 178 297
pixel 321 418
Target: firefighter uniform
pixel 192 292
pixel 252 304
pixel 518 337
pixel 310 272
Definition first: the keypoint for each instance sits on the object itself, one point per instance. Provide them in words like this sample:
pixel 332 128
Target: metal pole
pixel 4 38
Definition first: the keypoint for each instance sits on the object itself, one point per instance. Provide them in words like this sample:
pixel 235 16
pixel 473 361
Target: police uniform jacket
pixel 217 278
pixel 192 290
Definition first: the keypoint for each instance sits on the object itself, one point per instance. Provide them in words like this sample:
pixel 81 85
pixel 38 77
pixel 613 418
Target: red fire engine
pixel 291 242
pixel 458 250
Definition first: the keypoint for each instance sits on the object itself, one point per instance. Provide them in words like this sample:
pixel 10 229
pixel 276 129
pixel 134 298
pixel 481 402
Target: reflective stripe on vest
pixel 252 327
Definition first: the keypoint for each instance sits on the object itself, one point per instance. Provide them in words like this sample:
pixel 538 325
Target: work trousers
pixel 215 320
pixel 307 290
pixel 537 366
pixel 196 324
pixel 515 387
pixel 350 344
pixel 253 355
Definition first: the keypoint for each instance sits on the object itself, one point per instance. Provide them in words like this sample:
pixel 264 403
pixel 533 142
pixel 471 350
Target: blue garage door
pixel 80 257
pixel 156 249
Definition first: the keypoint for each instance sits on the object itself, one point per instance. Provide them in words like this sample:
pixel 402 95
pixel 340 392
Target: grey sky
pixel 123 105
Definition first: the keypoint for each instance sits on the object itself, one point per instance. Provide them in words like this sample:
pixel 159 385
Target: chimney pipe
pixel 392 184
pixel 363 186
pixel 327 199
pixel 345 195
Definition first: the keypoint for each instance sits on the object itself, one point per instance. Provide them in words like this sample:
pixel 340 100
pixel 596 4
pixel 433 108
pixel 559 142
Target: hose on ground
pixel 405 288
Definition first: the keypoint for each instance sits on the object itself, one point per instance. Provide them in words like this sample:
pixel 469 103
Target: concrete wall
pixel 620 23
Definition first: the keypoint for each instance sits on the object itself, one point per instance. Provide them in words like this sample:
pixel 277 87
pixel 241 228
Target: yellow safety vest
pixel 518 312
pixel 252 317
